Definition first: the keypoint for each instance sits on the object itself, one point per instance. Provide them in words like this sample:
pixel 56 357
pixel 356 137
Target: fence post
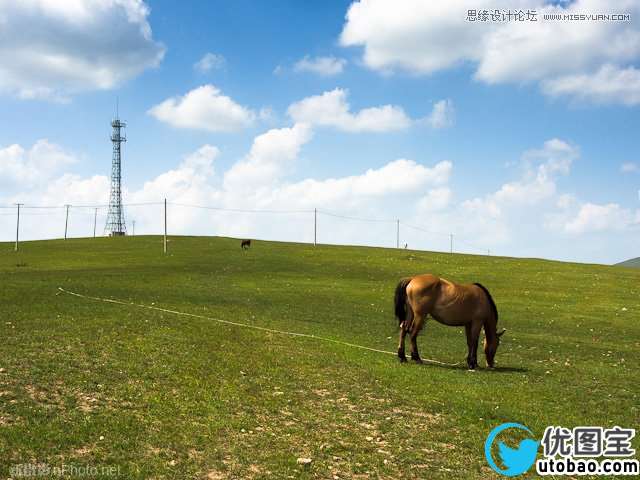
pixel 66 222
pixel 18 226
pixel 165 225
pixel 315 227
pixel 95 221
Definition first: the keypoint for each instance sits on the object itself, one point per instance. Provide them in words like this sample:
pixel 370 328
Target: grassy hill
pixel 634 262
pixel 158 395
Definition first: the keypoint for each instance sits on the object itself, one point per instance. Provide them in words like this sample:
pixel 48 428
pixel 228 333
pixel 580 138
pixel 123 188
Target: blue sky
pixel 518 137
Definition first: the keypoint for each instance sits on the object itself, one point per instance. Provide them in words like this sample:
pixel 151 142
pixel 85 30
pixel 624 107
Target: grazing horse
pixel 245 244
pixel 451 304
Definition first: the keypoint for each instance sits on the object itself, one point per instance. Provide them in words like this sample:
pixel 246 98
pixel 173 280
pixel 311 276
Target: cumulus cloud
pixel 32 166
pixel 597 218
pixel 398 177
pixel 435 199
pixel 541 170
pixel 442 115
pixel 610 84
pixel 517 206
pixel 204 108
pixel 591 60
pixel 324 66
pixel 268 158
pixel 191 176
pixel 52 50
pixel 332 109
pixel 210 61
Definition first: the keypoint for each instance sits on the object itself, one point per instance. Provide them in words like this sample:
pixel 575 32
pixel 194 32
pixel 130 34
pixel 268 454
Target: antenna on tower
pixel 116 225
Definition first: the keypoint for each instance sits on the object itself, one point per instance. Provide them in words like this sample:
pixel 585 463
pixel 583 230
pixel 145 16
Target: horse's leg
pixel 405 326
pixel 473 333
pixel 403 333
pixel 418 322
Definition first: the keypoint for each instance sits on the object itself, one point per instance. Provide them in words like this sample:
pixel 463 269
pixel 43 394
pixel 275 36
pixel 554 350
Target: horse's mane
pixel 493 304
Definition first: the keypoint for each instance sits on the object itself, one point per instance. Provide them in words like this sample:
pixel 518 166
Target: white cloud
pixel 584 59
pixel 538 183
pixel 332 109
pixel 630 167
pixel 52 49
pixel 411 35
pixel 70 189
pixel 210 61
pixel 33 166
pixel 270 155
pixel 442 115
pixel 325 66
pixel 517 207
pixel 435 199
pixel 609 84
pixel 204 108
pixel 190 182
pixel 398 177
pixel 597 218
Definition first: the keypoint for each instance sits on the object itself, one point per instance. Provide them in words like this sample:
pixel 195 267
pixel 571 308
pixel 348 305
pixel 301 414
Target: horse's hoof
pixel 402 359
pixel 417 360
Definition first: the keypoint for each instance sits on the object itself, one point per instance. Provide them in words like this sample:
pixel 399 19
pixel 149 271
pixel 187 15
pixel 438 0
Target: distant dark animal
pixel 452 304
pixel 245 244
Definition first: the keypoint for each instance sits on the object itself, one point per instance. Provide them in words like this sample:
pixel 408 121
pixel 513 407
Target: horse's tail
pixel 400 300
pixel 490 298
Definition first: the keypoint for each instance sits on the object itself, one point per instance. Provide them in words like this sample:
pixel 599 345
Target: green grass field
pixel 166 396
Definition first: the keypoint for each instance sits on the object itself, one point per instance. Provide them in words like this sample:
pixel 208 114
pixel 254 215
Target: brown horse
pixel 451 304
pixel 244 244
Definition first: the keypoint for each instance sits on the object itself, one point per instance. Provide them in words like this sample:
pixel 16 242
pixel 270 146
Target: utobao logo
pixel 516 460
pixel 577 451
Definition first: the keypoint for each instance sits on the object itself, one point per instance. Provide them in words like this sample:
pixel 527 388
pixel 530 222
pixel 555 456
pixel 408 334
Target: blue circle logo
pixel 517 460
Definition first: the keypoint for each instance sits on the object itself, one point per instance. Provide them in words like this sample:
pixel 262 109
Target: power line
pixel 237 210
pixel 68 209
pixel 62 207
pixel 424 229
pixel 357 219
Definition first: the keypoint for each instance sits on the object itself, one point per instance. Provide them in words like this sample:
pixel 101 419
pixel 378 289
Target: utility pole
pixel 18 225
pixel 95 220
pixel 397 233
pixel 451 242
pixel 66 222
pixel 315 227
pixel 134 229
pixel 165 225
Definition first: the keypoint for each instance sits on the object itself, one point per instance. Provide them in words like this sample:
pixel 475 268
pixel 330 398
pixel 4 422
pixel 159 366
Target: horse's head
pixel 491 344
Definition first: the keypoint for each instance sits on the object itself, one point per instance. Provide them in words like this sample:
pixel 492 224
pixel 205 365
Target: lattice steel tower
pixel 116 225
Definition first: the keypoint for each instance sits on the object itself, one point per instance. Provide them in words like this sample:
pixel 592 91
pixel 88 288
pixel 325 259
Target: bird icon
pixel 518 460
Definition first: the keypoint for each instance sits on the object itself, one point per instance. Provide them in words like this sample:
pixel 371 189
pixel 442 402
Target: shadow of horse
pixel 462 366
